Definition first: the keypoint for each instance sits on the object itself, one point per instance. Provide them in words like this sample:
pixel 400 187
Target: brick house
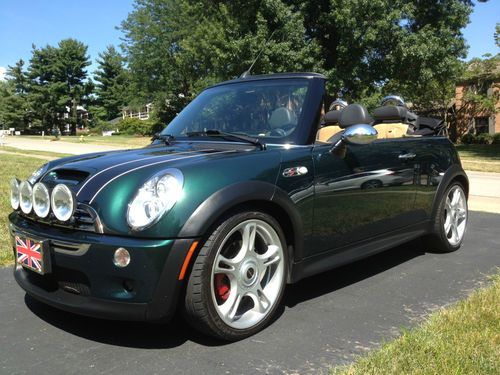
pixel 469 115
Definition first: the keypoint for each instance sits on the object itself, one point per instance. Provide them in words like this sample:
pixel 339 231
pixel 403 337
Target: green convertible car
pixel 254 185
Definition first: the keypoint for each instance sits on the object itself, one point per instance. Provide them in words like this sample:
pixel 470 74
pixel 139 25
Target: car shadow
pixel 338 278
pixel 177 332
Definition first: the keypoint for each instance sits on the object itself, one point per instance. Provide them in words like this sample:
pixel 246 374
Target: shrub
pixel 496 139
pixel 134 126
pixel 101 127
pixel 484 139
pixel 468 139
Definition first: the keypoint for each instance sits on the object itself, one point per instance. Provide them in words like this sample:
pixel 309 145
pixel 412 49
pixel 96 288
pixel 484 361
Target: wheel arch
pixel 454 174
pixel 250 195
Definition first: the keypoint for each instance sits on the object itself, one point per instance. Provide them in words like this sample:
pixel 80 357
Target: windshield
pixel 269 110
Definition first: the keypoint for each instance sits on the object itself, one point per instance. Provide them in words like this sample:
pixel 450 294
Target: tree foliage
pixel 365 47
pixel 48 93
pixel 172 49
pixel 111 85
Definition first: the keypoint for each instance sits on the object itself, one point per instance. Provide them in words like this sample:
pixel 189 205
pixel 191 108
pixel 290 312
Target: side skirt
pixel 350 253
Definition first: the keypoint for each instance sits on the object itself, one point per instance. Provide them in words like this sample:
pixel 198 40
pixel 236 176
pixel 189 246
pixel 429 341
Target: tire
pixel 235 288
pixel 371 184
pixel 449 215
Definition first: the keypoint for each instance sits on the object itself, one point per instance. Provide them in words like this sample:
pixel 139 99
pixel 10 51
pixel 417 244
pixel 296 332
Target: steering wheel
pixel 282 131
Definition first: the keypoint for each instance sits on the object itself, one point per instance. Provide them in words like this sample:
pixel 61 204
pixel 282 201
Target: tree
pixel 366 48
pixel 111 86
pixel 497 34
pixel 14 110
pixel 58 83
pixel 176 48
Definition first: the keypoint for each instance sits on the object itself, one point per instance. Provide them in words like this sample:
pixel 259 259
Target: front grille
pixel 85 219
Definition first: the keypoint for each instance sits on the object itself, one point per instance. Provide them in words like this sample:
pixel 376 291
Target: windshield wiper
pixel 167 138
pixel 229 136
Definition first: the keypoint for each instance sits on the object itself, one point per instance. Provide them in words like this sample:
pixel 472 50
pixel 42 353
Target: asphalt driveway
pixel 327 319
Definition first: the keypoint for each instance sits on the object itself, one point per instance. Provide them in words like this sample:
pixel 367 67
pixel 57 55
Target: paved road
pixel 327 319
pixel 484 191
pixel 61 147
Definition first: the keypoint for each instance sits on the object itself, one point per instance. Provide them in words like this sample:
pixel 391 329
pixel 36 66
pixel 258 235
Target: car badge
pixel 295 171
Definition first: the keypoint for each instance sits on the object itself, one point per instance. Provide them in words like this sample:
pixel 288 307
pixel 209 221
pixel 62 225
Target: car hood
pixel 108 181
pixel 89 173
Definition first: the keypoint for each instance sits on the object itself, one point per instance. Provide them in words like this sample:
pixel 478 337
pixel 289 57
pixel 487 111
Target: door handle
pixel 407 156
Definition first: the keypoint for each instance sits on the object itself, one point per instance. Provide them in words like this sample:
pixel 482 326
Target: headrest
pixel 390 113
pixel 282 116
pixel 332 117
pixel 354 114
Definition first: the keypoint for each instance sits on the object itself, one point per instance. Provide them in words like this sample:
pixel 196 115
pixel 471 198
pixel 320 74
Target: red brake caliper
pixel 222 288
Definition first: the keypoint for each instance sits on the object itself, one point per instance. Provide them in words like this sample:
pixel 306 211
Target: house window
pixel 482 125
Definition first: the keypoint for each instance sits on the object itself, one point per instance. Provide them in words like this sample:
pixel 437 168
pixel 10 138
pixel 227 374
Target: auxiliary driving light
pixel 63 203
pixel 41 200
pixel 14 193
pixel 121 258
pixel 25 193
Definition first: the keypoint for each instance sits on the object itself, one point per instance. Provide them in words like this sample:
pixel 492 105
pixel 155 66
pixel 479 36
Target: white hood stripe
pixel 128 162
pixel 148 165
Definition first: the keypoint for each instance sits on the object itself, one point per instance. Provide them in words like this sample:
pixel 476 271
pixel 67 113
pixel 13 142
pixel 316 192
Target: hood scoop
pixel 70 177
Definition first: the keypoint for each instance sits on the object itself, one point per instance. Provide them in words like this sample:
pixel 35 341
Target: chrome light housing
pixel 63 202
pixel 14 193
pixel 25 195
pixel 155 197
pixel 41 200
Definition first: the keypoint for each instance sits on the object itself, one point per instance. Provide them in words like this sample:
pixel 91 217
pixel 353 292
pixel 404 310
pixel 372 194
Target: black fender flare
pixel 236 194
pixel 451 174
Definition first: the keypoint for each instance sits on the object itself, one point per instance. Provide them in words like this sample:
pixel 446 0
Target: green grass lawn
pixel 484 158
pixel 115 140
pixel 49 154
pixel 12 166
pixel 461 339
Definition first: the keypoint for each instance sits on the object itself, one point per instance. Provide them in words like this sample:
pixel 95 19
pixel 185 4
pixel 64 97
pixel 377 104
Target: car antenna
pixel 246 73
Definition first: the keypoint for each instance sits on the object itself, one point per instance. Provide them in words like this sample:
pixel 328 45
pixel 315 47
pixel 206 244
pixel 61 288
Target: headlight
pixel 38 173
pixel 63 203
pixel 41 200
pixel 25 193
pixel 154 198
pixel 14 193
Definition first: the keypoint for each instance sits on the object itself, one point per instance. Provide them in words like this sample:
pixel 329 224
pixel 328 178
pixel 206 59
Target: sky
pixel 93 22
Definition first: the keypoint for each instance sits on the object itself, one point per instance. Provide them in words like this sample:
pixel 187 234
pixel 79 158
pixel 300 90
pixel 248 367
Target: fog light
pixel 121 258
pixel 25 193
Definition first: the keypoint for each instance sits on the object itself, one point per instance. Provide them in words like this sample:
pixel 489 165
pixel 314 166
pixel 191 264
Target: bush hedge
pixel 134 126
pixel 481 139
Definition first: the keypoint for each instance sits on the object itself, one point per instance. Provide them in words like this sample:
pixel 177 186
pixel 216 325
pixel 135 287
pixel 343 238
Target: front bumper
pixel 84 280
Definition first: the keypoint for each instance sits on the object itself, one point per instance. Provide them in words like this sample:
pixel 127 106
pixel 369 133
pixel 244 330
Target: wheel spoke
pixel 225 265
pixel 261 302
pixel 248 240
pixel 454 231
pixel 456 197
pixel 270 256
pixel 230 307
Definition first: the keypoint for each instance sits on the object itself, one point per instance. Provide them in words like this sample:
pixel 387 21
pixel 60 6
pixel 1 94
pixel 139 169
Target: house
pixel 142 113
pixel 476 106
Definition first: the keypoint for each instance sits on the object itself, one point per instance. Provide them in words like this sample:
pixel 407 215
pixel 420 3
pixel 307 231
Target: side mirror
pixel 361 134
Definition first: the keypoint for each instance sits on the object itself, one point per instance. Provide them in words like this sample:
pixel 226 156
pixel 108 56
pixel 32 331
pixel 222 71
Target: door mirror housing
pixel 361 134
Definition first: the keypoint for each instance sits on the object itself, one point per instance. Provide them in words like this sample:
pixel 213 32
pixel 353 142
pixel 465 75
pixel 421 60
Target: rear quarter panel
pixel 435 156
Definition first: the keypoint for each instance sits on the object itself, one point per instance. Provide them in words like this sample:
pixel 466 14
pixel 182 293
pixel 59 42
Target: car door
pixel 369 191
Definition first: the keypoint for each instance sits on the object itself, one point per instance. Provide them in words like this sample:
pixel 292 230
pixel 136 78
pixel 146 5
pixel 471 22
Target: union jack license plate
pixel 30 254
